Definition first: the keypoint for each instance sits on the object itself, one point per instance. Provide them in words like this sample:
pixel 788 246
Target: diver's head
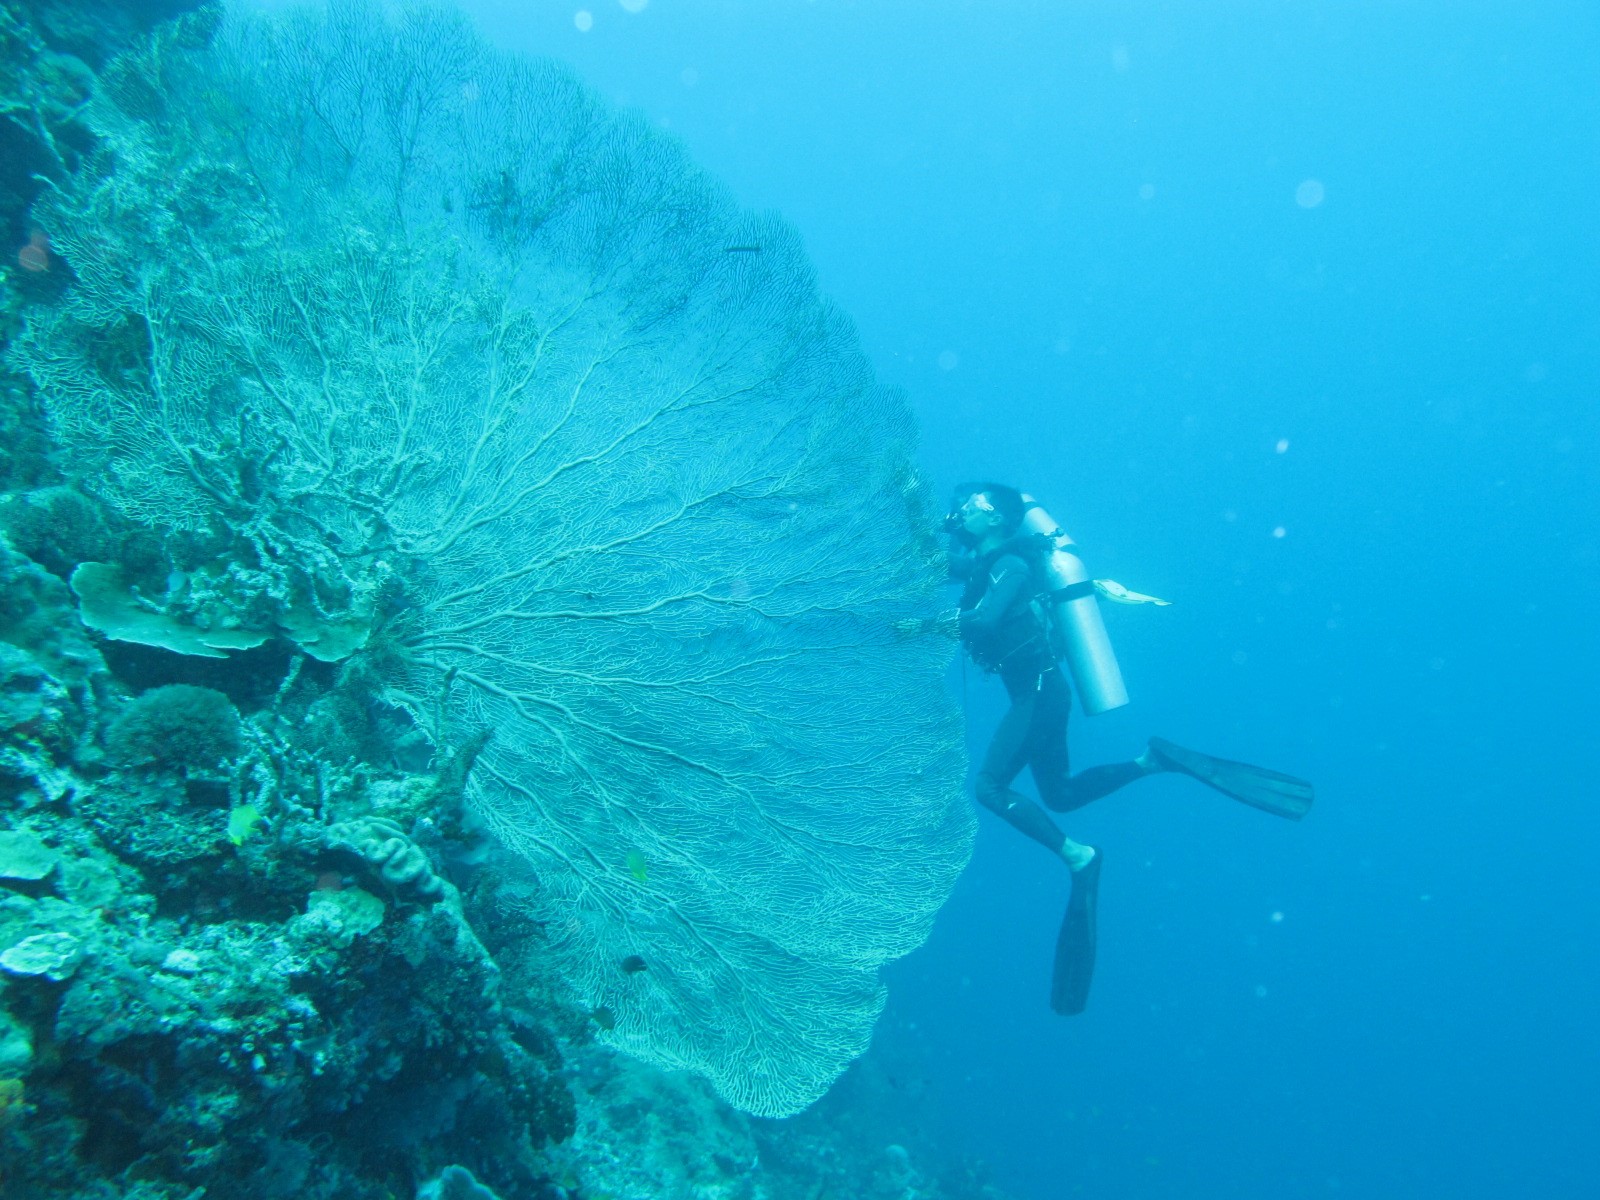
pixel 984 512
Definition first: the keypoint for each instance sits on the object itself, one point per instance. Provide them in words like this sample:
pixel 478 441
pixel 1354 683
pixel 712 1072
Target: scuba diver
pixel 1027 605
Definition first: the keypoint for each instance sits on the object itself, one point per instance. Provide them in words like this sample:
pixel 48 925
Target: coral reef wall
pixel 416 357
pixel 257 936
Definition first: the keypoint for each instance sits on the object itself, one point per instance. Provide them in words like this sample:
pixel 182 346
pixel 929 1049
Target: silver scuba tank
pixel 1075 617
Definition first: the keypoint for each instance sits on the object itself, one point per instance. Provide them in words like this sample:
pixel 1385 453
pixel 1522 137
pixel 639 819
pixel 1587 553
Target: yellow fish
pixel 242 822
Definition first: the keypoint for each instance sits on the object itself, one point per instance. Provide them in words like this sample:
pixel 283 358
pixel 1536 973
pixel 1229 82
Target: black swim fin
pixel 1075 944
pixel 1270 791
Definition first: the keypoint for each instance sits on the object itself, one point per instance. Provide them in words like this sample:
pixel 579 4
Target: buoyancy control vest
pixel 1020 637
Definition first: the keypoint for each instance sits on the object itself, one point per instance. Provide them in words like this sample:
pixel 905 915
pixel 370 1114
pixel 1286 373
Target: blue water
pixel 1195 274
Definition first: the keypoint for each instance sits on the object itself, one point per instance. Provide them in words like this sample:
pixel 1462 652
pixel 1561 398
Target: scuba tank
pixel 1078 634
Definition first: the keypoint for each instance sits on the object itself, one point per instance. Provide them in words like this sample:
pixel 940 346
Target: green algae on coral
pixel 12 1097
pixel 16 1046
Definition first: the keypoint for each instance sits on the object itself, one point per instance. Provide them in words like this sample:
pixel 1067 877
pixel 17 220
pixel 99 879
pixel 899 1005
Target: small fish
pixel 633 964
pixel 242 822
pixel 637 867
pixel 741 249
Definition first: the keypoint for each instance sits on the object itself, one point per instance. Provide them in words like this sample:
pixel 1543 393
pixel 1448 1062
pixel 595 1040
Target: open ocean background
pixel 1289 312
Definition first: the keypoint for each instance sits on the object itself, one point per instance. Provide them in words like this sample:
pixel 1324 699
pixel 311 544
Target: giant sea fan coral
pixel 384 314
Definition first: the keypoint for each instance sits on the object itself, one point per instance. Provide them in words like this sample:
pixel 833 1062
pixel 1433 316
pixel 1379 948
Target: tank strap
pixel 1073 591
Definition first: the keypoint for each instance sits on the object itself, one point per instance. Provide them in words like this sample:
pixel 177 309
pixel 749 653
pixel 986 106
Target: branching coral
pixel 426 341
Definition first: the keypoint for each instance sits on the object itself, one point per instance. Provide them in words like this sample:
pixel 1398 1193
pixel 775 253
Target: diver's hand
pixel 959 562
pixel 945 625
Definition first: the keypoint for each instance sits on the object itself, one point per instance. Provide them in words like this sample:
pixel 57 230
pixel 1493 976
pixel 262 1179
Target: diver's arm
pixel 945 625
pixel 959 562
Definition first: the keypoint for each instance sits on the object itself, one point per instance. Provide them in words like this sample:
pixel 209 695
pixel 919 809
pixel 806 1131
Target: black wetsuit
pixel 1004 634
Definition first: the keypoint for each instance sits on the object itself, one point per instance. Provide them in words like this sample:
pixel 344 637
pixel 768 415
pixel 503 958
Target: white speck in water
pixel 1283 446
pixel 1279 532
pixel 1276 918
pixel 583 19
pixel 1147 191
pixel 634 6
pixel 1310 193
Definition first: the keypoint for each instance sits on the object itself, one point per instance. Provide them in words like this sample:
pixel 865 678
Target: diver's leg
pixel 1091 783
pixel 1008 753
pixel 1061 790
pixel 1047 740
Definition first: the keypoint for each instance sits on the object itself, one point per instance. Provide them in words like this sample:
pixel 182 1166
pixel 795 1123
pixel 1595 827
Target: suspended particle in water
pixel 1310 193
pixel 1147 191
pixel 1283 446
pixel 1261 991
pixel 633 6
pixel 1276 918
pixel 583 19
pixel 1279 532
